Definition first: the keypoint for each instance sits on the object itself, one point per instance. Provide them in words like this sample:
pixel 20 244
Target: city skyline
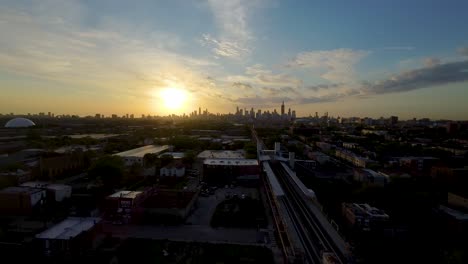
pixel 350 59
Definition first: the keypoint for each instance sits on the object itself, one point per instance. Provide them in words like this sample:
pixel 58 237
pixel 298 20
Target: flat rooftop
pixel 20 189
pixel 221 154
pixel 142 151
pixel 275 185
pixel 175 155
pixel 69 228
pixel 95 136
pixel 125 194
pixel 231 162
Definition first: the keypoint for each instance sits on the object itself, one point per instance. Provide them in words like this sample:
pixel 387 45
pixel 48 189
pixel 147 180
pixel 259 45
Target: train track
pixel 313 237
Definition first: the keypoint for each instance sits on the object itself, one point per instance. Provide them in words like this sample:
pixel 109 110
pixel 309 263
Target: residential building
pixel 123 205
pixel 370 177
pixel 363 216
pixel 174 169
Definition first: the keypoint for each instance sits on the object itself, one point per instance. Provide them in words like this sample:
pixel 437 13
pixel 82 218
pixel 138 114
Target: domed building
pixel 19 122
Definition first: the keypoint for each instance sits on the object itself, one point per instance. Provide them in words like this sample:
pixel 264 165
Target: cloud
pixel 262 101
pixel 103 59
pixel 398 48
pixel 242 86
pixel 438 74
pixel 232 21
pixel 430 62
pixel 335 65
pixel 229 48
pixel 323 86
pixel 463 51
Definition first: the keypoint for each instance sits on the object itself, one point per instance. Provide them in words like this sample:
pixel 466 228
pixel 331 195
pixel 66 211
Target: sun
pixel 173 98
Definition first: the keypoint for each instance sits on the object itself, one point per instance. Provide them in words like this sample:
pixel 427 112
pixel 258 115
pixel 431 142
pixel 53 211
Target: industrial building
pixel 20 200
pixel 135 156
pixel 226 171
pixel 54 192
pixel 71 237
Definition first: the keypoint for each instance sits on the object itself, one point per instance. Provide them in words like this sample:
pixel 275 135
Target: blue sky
pixel 366 58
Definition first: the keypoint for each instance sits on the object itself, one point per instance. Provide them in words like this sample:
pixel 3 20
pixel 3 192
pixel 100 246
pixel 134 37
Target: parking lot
pixel 206 206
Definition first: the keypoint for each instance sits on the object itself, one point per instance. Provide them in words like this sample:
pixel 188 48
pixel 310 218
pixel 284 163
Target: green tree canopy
pixel 108 169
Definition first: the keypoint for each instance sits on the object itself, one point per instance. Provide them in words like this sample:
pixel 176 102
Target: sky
pixel 367 58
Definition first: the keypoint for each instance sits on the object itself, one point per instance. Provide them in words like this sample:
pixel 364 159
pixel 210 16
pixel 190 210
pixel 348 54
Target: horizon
pixel 361 59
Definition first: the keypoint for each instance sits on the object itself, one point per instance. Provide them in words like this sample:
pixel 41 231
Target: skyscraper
pixel 282 109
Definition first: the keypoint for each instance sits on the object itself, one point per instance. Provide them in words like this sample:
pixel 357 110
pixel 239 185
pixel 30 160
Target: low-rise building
pixel 324 146
pixel 122 205
pixel 418 165
pixel 225 171
pixel 174 169
pixel 363 216
pixel 370 177
pixel 135 156
pixel 350 145
pixel 457 200
pixel 20 200
pixel 55 192
pixel 221 154
pixel 71 237
pixel 352 158
pixel 56 165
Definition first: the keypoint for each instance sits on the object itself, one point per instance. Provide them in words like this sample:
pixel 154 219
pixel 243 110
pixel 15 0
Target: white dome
pixel 20 122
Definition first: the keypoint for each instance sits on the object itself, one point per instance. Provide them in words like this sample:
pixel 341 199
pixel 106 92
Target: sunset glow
pixel 173 98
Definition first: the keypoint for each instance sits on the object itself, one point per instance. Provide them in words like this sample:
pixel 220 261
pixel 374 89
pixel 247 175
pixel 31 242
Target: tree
pixel 189 157
pixel 250 150
pixel 166 159
pixel 150 159
pixel 108 169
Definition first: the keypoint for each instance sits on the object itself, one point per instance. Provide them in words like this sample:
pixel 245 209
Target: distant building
pixel 71 237
pixel 324 146
pixel 282 109
pixel 363 216
pixel 174 169
pixel 418 165
pixel 19 122
pixel 20 200
pixel 356 160
pixel 135 156
pixel 53 166
pixel 350 145
pixel 221 154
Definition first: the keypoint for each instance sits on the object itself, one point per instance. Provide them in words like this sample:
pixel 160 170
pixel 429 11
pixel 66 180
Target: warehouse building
pixel 135 156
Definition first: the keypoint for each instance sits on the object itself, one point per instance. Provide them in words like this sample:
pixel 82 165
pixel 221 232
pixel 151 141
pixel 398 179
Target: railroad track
pixel 313 237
